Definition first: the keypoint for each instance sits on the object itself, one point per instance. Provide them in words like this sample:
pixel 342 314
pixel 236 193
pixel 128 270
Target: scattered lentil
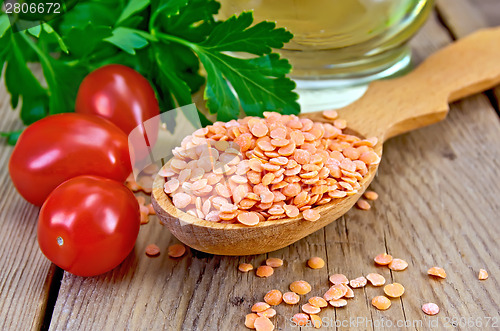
pixel 318 302
pixel 430 308
pixel 316 262
pixel 152 250
pixel 274 262
pixel 483 274
pixel 381 302
pixel 300 287
pixel 350 293
pixel 394 290
pixel 370 195
pixel 264 271
pixel 338 303
pixel 316 321
pixel 437 271
pixel 262 323
pixel 335 292
pixel 383 259
pixel 300 319
pixel 398 265
pixel 363 204
pixel 376 279
pixel 273 297
pixel 358 282
pixel 260 306
pixel 176 250
pixel 250 320
pixel 245 267
pixel 291 298
pixel 270 312
pixel 310 309
pixel 338 279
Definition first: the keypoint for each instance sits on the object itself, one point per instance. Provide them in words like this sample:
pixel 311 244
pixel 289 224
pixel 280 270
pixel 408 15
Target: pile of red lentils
pixel 256 169
pixel 337 295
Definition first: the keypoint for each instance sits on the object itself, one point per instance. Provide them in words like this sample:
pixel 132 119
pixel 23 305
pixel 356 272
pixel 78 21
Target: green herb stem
pixel 167 37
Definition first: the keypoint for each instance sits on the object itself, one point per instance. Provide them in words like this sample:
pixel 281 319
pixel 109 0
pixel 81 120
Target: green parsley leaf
pixel 35 31
pixel 20 81
pixel 82 41
pixel 167 77
pixel 47 28
pixel 4 24
pixel 194 22
pixel 132 7
pixel 236 35
pixel 127 39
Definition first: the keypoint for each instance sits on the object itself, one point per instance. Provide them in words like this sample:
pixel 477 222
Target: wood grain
pixel 463 17
pixel 25 274
pixel 438 206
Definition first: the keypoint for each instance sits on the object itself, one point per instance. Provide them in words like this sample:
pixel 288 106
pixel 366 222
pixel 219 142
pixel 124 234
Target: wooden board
pixel 437 207
pixel 25 274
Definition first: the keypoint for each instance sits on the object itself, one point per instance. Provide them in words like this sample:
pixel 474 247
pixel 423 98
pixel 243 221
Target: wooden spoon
pixel 388 108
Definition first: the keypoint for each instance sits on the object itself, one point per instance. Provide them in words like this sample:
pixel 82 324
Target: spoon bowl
pixel 388 108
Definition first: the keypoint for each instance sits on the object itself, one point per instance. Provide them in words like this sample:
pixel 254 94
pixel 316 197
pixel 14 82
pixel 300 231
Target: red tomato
pixel 60 147
pixel 119 94
pixel 88 225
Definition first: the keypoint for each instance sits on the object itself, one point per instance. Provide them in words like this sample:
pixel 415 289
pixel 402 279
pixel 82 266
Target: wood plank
pixel 437 206
pixel 26 274
pixel 465 16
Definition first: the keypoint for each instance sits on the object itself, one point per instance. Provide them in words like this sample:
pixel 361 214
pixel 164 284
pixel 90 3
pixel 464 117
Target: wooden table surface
pixel 439 205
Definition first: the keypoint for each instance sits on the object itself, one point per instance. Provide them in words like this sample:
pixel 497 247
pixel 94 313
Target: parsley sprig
pixel 168 41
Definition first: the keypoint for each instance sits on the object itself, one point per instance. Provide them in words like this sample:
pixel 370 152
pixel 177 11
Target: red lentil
pixel 245 267
pixel 339 279
pixel 437 271
pixel 398 265
pixel 250 320
pixel 300 319
pixel 290 164
pixel 291 298
pixel 375 279
pixel 274 262
pixel 383 259
pixel 358 282
pixel 316 262
pixel 259 307
pixel 310 309
pixel 152 250
pixel 335 292
pixel 394 290
pixel 270 312
pixel 318 302
pixel 316 321
pixel 381 303
pixel 273 297
pixel 370 195
pixel 176 250
pixel 264 271
pixel 430 308
pixel 338 303
pixel 300 287
pixel 263 323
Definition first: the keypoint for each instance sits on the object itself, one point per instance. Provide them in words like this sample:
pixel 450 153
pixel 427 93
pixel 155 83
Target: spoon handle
pixel 465 67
